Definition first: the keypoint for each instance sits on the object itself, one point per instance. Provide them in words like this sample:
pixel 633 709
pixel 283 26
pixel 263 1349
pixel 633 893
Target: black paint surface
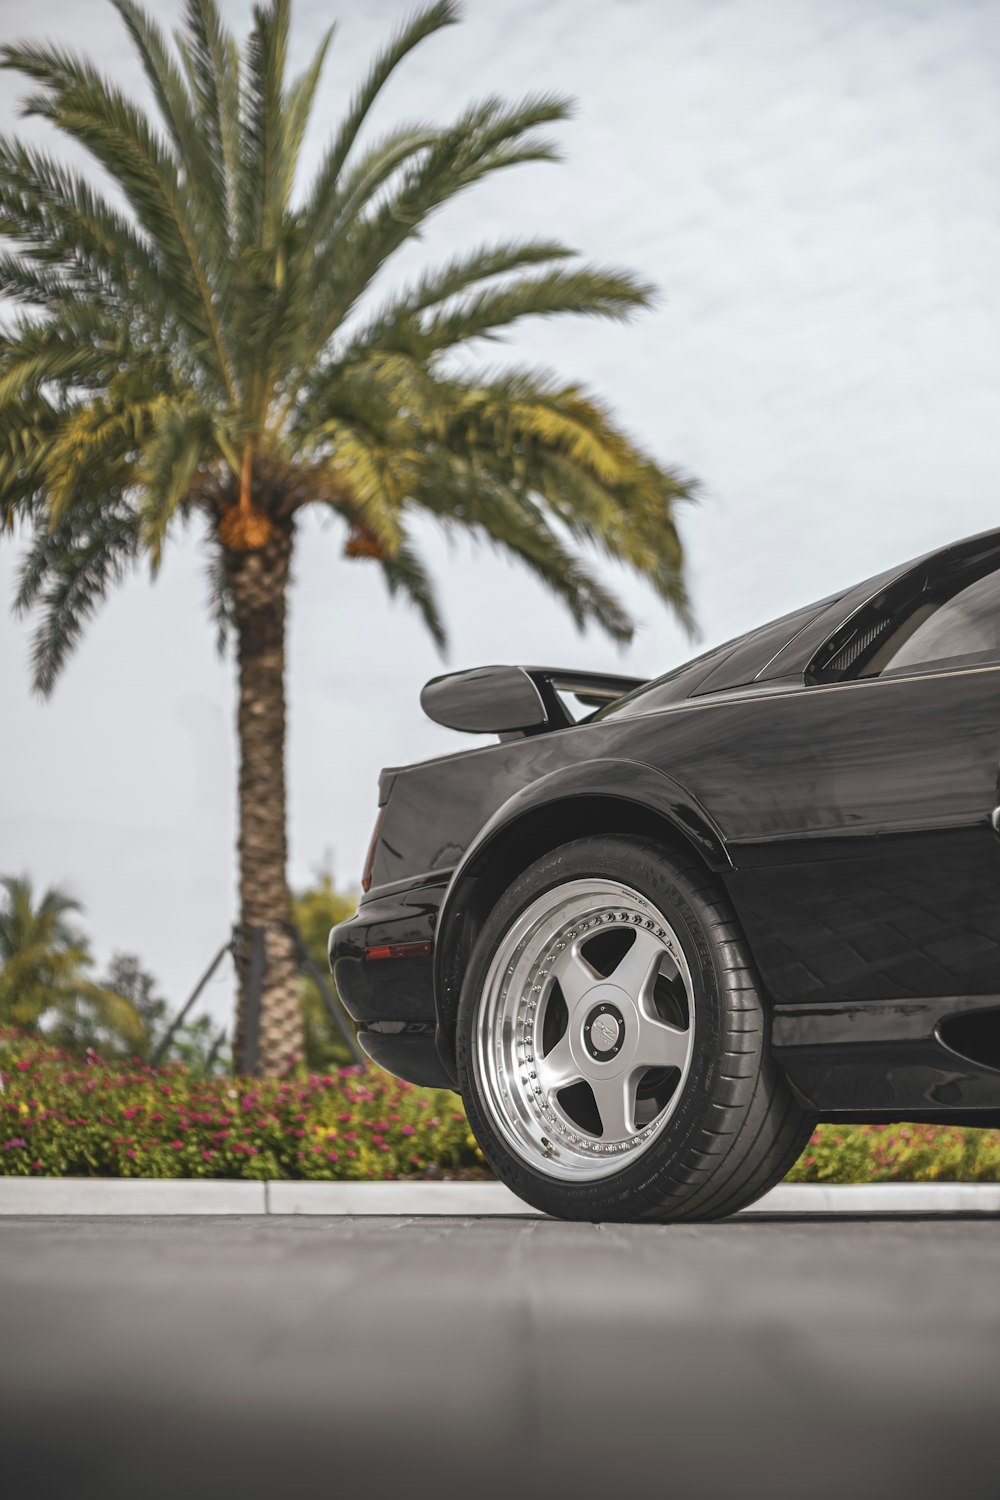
pixel 847 817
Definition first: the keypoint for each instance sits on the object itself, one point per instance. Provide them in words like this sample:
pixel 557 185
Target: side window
pixel 959 631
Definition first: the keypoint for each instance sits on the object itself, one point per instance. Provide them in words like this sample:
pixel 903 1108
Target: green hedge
pixel 899 1153
pixel 64 1116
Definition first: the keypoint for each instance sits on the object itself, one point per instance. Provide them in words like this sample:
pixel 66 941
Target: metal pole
pixel 175 1024
pixel 334 1006
pixel 214 1050
pixel 254 989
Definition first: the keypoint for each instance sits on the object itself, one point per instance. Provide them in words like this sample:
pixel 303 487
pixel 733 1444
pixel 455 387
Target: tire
pixel 613 1042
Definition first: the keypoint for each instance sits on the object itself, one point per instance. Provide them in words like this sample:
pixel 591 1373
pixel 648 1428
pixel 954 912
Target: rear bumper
pixel 409 1053
pixel 383 965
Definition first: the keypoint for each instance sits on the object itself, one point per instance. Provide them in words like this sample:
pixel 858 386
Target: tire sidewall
pixel 673 891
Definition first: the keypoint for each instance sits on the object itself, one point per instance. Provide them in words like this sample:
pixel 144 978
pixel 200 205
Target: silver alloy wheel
pixel 585 1029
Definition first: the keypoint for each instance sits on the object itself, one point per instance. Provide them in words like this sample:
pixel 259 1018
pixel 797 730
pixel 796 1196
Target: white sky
pixel 814 185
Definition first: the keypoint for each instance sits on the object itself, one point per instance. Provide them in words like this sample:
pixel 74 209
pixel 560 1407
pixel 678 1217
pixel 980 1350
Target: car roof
pixel 785 646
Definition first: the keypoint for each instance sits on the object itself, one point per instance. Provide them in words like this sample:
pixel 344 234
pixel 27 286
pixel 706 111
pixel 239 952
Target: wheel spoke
pixel 660 1045
pixel 575 976
pixel 558 1067
pixel 616 1106
pixel 607 1088
pixel 636 970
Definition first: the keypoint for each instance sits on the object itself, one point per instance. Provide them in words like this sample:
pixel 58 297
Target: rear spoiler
pixel 512 701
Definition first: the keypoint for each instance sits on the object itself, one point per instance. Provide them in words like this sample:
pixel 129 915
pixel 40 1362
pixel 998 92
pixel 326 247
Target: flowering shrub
pixel 60 1117
pixel 899 1153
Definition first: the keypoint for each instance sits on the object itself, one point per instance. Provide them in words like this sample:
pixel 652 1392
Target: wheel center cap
pixel 604 1032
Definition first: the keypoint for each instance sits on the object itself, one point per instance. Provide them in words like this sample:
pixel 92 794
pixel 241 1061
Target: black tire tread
pixel 752 1129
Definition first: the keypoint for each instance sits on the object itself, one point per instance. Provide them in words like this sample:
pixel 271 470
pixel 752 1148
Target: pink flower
pixel 350 1135
pixel 131 1154
pixel 130 1114
pixel 23 1065
pixel 406 1130
pixel 333 1156
pixel 177 1145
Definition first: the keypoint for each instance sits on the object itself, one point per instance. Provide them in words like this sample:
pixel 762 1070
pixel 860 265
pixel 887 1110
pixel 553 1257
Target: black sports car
pixel 652 947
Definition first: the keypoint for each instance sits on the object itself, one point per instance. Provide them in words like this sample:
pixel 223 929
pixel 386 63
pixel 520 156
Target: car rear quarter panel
pixel 766 767
pixel 807 798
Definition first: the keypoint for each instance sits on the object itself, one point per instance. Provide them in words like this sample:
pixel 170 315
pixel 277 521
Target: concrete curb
pixel 138 1196
pixel 128 1195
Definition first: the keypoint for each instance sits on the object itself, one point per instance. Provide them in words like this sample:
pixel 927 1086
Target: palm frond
pixel 39 354
pixel 67 573
pixel 211 60
pixel 180 442
pixel 405 574
pixel 515 525
pixel 587 293
pixel 220 598
pixel 300 100
pixel 488 137
pixel 99 117
pixel 265 174
pixel 425 23
pixel 368 176
pixel 202 174
pixel 453 278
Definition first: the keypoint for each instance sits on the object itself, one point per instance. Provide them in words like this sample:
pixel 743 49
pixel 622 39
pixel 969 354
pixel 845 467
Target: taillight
pixel 366 878
pixel 401 950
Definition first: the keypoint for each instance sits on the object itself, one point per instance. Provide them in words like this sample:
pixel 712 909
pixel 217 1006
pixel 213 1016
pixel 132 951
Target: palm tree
pixel 43 973
pixel 205 342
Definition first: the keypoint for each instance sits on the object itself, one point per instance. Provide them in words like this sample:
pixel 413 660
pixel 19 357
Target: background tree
pixel 44 980
pixel 128 976
pixel 203 341
pixel 198 1043
pixel 316 910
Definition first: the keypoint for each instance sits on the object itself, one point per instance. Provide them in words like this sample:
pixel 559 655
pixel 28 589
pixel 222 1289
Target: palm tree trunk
pixel 258 581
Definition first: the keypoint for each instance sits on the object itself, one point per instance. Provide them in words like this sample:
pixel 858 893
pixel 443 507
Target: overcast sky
pixel 815 187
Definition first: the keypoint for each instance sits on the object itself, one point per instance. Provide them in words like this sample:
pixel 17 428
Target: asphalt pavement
pixel 371 1356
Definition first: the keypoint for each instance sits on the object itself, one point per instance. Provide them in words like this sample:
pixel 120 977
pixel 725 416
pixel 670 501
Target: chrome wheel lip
pixel 509 1067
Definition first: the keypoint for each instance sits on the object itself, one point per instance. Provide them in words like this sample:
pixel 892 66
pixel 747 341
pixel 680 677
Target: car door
pixel 858 815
